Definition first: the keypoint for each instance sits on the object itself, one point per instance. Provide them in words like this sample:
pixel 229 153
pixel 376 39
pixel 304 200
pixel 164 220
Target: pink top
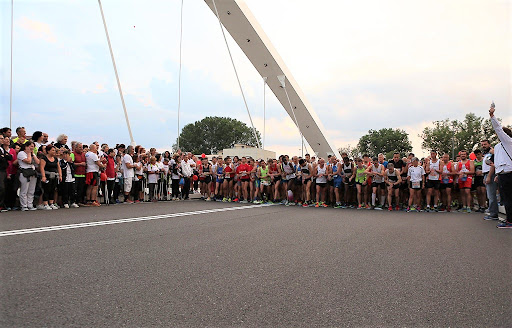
pixel 12 169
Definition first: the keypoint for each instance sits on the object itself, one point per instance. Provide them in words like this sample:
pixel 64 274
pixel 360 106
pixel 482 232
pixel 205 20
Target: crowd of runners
pixel 38 174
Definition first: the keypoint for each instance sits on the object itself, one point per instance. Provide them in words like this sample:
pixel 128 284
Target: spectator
pixel 21 136
pixel 62 140
pixel 110 171
pixel 37 138
pixel 27 161
pixel 5 157
pixel 6 132
pixel 186 172
pixel 92 176
pixel 80 168
pixel 128 173
pixel 69 186
pixel 51 174
pixel 45 139
pixel 503 166
pixel 13 182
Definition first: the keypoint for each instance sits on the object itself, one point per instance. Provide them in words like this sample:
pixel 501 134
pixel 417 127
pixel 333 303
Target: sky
pixel 363 65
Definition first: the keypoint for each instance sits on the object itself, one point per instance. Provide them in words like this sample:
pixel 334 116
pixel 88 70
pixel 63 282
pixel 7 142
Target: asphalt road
pixel 270 266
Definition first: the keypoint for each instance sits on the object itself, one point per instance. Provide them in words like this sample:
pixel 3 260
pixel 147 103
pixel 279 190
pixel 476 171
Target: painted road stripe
pixel 127 220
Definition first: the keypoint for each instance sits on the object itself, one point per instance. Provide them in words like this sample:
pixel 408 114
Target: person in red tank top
pixel 466 169
pixel 243 173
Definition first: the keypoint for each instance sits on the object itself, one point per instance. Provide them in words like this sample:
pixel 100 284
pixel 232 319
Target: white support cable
pixel 10 92
pixel 264 111
pixel 117 76
pixel 236 73
pixel 179 75
pixel 282 80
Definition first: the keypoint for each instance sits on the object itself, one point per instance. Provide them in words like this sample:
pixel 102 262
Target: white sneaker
pixel 32 209
pixel 66 205
pixel 47 208
pixel 74 205
pixel 54 206
pixel 40 207
pixel 24 209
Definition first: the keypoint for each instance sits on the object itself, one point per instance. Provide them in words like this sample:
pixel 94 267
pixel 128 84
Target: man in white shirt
pixel 92 175
pixel 128 173
pixel 503 166
pixel 186 171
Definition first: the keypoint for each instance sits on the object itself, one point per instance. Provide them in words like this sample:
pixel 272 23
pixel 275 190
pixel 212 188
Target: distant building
pixel 248 151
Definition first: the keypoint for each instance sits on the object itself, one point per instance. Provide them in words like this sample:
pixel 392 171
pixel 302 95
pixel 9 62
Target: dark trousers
pixel 505 185
pixel 110 190
pixel 3 178
pixel 49 189
pixel 185 190
pixel 11 187
pixel 175 188
pixel 80 189
pixel 69 192
pixel 136 189
pixel 117 191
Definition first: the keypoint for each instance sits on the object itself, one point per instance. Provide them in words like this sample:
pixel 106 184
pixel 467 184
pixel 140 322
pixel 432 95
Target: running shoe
pixel 428 209
pixel 337 205
pixel 74 205
pixel 360 207
pixel 317 205
pixel 47 207
pixel 367 206
pixel 504 225
pixel 397 208
pixel 490 218
pixel 436 209
pixel 448 209
pixel 325 205
pixel 95 203
pixel 468 209
pixel 243 202
pixel 390 208
pixel 236 200
pixel 378 208
pixel 305 204
pixel 66 205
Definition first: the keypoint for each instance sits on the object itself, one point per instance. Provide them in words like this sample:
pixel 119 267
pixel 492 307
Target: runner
pixel 466 170
pixel 288 176
pixel 219 181
pixel 393 180
pixel 399 165
pixel 446 184
pixel 306 174
pixel 361 183
pixel 243 173
pixel 321 183
pixel 348 181
pixel 416 178
pixel 229 174
pixel 337 178
pixel 205 178
pixel 265 181
pixel 376 172
pixel 478 181
pixel 433 175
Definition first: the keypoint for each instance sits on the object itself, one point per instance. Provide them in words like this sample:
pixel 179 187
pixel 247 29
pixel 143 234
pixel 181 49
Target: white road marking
pixel 127 220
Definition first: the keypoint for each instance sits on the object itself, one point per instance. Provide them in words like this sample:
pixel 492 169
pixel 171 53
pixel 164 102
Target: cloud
pixel 37 29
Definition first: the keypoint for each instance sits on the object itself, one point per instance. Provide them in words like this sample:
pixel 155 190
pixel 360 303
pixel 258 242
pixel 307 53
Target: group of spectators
pixel 38 174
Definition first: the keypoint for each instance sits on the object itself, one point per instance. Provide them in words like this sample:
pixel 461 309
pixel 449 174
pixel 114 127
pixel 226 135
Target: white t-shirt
pixel 21 156
pixel 416 173
pixel 433 167
pixel 91 159
pixel 127 172
pixel 69 176
pixel 139 171
pixel 153 178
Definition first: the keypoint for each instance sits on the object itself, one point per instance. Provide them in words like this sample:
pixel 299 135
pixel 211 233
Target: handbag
pixel 27 173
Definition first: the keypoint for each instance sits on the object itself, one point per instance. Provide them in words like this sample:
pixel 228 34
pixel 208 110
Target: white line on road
pixel 108 222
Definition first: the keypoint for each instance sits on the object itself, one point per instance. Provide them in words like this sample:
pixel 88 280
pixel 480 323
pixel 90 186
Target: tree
pixel 452 136
pixel 352 152
pixel 386 141
pixel 212 134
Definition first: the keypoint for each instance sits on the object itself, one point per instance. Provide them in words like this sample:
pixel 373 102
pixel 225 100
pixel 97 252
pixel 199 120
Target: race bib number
pixel 416 184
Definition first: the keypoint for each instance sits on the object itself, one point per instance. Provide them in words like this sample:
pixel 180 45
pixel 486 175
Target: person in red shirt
pixel 79 161
pixel 243 173
pixel 110 171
